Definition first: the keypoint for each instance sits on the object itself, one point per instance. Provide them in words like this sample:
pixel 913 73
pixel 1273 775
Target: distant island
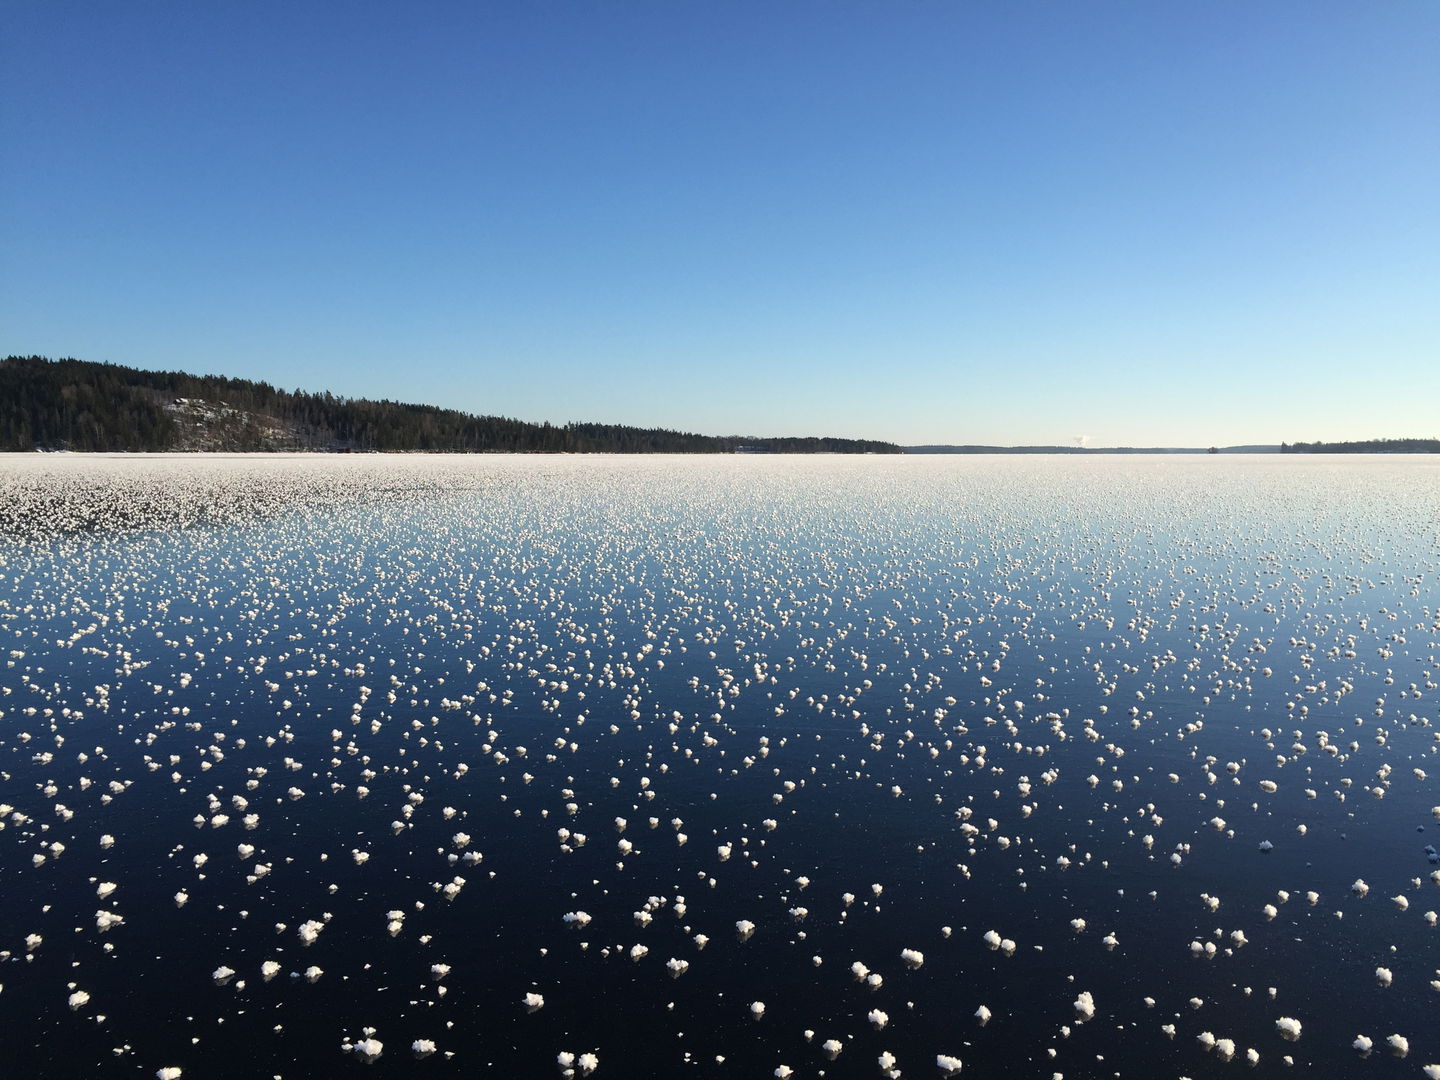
pixel 86 406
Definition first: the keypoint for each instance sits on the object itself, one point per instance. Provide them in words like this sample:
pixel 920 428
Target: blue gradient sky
pixel 1001 222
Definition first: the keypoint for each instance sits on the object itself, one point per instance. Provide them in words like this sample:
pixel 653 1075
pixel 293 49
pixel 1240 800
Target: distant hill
pixel 80 405
pixel 974 449
pixel 1367 446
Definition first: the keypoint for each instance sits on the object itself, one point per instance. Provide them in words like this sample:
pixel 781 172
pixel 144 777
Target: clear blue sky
pixel 1172 223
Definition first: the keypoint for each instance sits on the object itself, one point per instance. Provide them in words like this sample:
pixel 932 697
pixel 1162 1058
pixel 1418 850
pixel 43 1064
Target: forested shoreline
pixel 1365 446
pixel 81 405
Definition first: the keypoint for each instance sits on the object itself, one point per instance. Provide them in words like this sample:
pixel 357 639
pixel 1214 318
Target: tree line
pixel 1365 446
pixel 81 405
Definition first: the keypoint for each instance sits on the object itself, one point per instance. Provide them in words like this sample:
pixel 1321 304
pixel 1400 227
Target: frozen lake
pixel 723 767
